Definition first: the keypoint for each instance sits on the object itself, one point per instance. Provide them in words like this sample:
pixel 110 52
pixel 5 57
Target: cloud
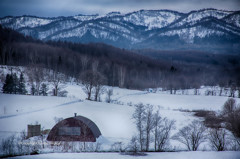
pixel 73 7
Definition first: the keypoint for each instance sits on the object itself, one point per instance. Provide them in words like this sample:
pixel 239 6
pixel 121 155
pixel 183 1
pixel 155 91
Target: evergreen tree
pixel 8 84
pixel 43 90
pixel 15 83
pixel 33 89
pixel 21 85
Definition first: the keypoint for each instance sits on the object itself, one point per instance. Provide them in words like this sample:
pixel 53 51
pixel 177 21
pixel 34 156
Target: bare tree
pixel 117 147
pixel 58 81
pixel 95 65
pixel 133 145
pixel 231 115
pixel 121 75
pixel 87 79
pixel 99 89
pixel 192 135
pixel 139 116
pixel 232 90
pixel 36 76
pixel 149 124
pixel 109 95
pixel 92 80
pixel 218 139
pixel 229 106
pixel 156 123
pixel 20 140
pixel 98 85
pixel 84 60
pixel 162 129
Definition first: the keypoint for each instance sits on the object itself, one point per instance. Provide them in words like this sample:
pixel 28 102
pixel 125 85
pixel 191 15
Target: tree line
pixel 14 85
pixel 40 82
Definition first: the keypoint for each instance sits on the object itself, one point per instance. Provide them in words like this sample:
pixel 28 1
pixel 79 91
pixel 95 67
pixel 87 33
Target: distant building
pixel 150 90
pixel 34 130
pixel 77 128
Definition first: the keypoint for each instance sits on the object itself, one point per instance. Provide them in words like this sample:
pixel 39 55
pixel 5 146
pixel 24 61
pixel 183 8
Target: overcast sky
pixel 51 8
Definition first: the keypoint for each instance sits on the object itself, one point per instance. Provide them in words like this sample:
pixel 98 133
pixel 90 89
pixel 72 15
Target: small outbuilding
pixel 33 130
pixel 77 128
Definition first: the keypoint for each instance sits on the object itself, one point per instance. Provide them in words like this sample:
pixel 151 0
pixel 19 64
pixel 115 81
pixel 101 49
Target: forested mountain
pixel 120 67
pixel 211 30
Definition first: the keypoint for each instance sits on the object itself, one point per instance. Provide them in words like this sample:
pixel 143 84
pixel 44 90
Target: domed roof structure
pixel 76 128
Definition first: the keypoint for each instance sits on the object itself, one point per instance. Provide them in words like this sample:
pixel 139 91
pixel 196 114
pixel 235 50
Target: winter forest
pixel 149 83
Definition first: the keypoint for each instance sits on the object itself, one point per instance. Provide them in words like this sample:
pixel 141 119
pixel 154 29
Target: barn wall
pixel 57 134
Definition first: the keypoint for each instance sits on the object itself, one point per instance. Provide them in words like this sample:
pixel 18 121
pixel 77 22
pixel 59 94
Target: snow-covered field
pixel 16 111
pixel 163 155
pixel 113 119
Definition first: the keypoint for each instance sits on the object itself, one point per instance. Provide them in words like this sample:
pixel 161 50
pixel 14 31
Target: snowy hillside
pixel 25 21
pixel 20 110
pixel 85 17
pixel 234 19
pixel 152 19
pixel 114 119
pixel 195 16
pixel 131 30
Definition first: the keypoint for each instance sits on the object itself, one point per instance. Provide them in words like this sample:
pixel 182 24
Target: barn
pixel 77 128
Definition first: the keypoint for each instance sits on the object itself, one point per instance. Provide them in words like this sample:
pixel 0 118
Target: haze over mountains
pixel 209 30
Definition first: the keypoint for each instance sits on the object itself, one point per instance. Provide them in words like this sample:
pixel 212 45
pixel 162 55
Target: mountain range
pixel 206 30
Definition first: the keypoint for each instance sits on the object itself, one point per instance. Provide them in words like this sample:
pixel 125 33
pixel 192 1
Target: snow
pixel 58 27
pixel 43 111
pixel 17 111
pixel 25 21
pixel 115 26
pixel 234 19
pixel 86 17
pixel 194 17
pixel 17 104
pixel 152 19
pixel 188 34
pixel 113 119
pixel 168 101
pixel 100 32
pixel 162 155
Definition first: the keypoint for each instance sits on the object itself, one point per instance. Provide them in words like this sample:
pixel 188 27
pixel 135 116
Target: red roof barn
pixel 76 128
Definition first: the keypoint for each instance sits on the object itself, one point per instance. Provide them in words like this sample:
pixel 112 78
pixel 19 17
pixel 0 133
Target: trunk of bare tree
pixel 122 74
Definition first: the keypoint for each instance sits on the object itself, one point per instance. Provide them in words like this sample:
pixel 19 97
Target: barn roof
pixel 89 134
pixel 90 124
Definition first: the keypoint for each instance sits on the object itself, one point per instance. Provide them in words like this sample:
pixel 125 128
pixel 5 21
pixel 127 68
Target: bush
pixel 8 146
pixel 229 106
